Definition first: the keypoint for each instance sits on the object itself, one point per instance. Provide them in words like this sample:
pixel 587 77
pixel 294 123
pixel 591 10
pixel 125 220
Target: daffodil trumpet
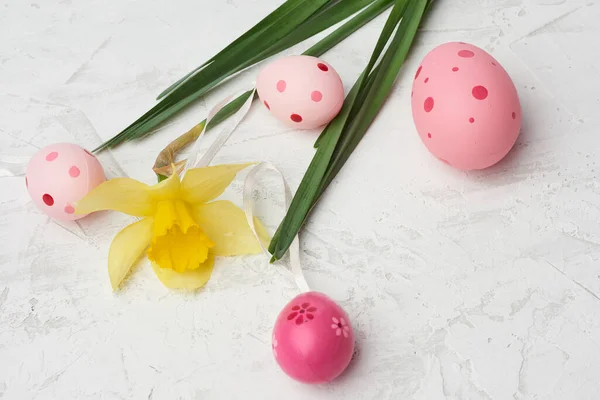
pixel 182 227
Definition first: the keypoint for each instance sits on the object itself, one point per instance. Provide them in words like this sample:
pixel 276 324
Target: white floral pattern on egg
pixel 301 91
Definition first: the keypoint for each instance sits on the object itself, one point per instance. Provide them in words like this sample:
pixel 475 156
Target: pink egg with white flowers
pixel 465 106
pixel 313 341
pixel 301 91
pixel 59 175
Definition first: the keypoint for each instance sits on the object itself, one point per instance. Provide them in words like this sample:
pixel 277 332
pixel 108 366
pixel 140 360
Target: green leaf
pixel 229 109
pixel 218 70
pixel 357 22
pixel 323 20
pixel 309 188
pixel 239 43
pixel 365 106
pixel 379 89
pixel 307 191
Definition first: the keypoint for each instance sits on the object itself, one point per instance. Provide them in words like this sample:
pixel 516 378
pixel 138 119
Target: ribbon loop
pixel 251 181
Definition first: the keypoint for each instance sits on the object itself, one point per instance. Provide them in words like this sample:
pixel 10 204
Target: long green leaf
pixel 219 70
pixel 307 191
pixel 380 88
pixel 229 109
pixel 319 48
pixel 238 43
pixel 357 22
pixel 309 187
pixel 375 89
pixel 324 20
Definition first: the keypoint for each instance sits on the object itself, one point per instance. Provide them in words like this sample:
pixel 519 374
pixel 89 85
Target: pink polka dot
pixel 281 86
pixel 454 69
pixel 48 200
pixel 429 135
pixel 514 115
pixel 426 80
pixel 316 96
pixel 267 105
pixel 323 67
pixel 51 156
pixel 428 104
pixel 418 72
pixel 74 171
pixel 296 118
pixel 471 120
pixel 466 54
pixel 479 92
pixel 69 209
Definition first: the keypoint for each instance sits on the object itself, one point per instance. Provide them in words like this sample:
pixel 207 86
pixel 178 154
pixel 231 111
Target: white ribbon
pixel 249 185
pixel 12 165
pixel 203 160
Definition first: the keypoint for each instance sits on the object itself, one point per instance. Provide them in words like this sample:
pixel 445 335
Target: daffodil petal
pixel 200 185
pixel 188 279
pixel 126 249
pixel 167 189
pixel 226 225
pixel 120 194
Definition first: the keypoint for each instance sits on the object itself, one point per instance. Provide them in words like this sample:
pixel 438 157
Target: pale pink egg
pixel 301 91
pixel 59 175
pixel 313 340
pixel 465 106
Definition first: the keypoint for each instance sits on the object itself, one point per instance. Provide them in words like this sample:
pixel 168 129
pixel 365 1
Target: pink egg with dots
pixel 313 341
pixel 59 175
pixel 301 91
pixel 465 106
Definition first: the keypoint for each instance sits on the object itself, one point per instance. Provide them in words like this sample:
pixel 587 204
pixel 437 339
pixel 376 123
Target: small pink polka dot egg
pixel 465 106
pixel 59 175
pixel 301 91
pixel 312 339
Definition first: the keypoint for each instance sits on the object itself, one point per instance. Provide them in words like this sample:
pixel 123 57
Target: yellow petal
pixel 189 279
pixel 200 185
pixel 225 224
pixel 120 194
pixel 126 248
pixel 180 251
pixel 169 213
pixel 167 189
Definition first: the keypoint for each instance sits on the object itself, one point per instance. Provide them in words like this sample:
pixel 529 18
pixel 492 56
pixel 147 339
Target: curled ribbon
pixel 249 185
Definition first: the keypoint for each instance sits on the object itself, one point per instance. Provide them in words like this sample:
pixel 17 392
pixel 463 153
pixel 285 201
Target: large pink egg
pixel 301 91
pixel 465 106
pixel 60 175
pixel 313 340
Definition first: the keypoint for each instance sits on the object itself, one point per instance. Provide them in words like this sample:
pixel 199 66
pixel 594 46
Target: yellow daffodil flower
pixel 181 228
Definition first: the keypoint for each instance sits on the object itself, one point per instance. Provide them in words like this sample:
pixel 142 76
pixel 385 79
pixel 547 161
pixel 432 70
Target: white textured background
pixel 481 285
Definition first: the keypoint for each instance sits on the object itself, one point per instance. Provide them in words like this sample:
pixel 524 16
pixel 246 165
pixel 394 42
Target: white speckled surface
pixel 480 285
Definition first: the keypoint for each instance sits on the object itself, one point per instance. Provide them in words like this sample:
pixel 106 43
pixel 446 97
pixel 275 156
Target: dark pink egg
pixel 313 340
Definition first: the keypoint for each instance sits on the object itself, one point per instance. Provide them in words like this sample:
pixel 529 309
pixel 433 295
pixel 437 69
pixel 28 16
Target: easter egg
pixel 60 175
pixel 465 106
pixel 301 91
pixel 313 340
